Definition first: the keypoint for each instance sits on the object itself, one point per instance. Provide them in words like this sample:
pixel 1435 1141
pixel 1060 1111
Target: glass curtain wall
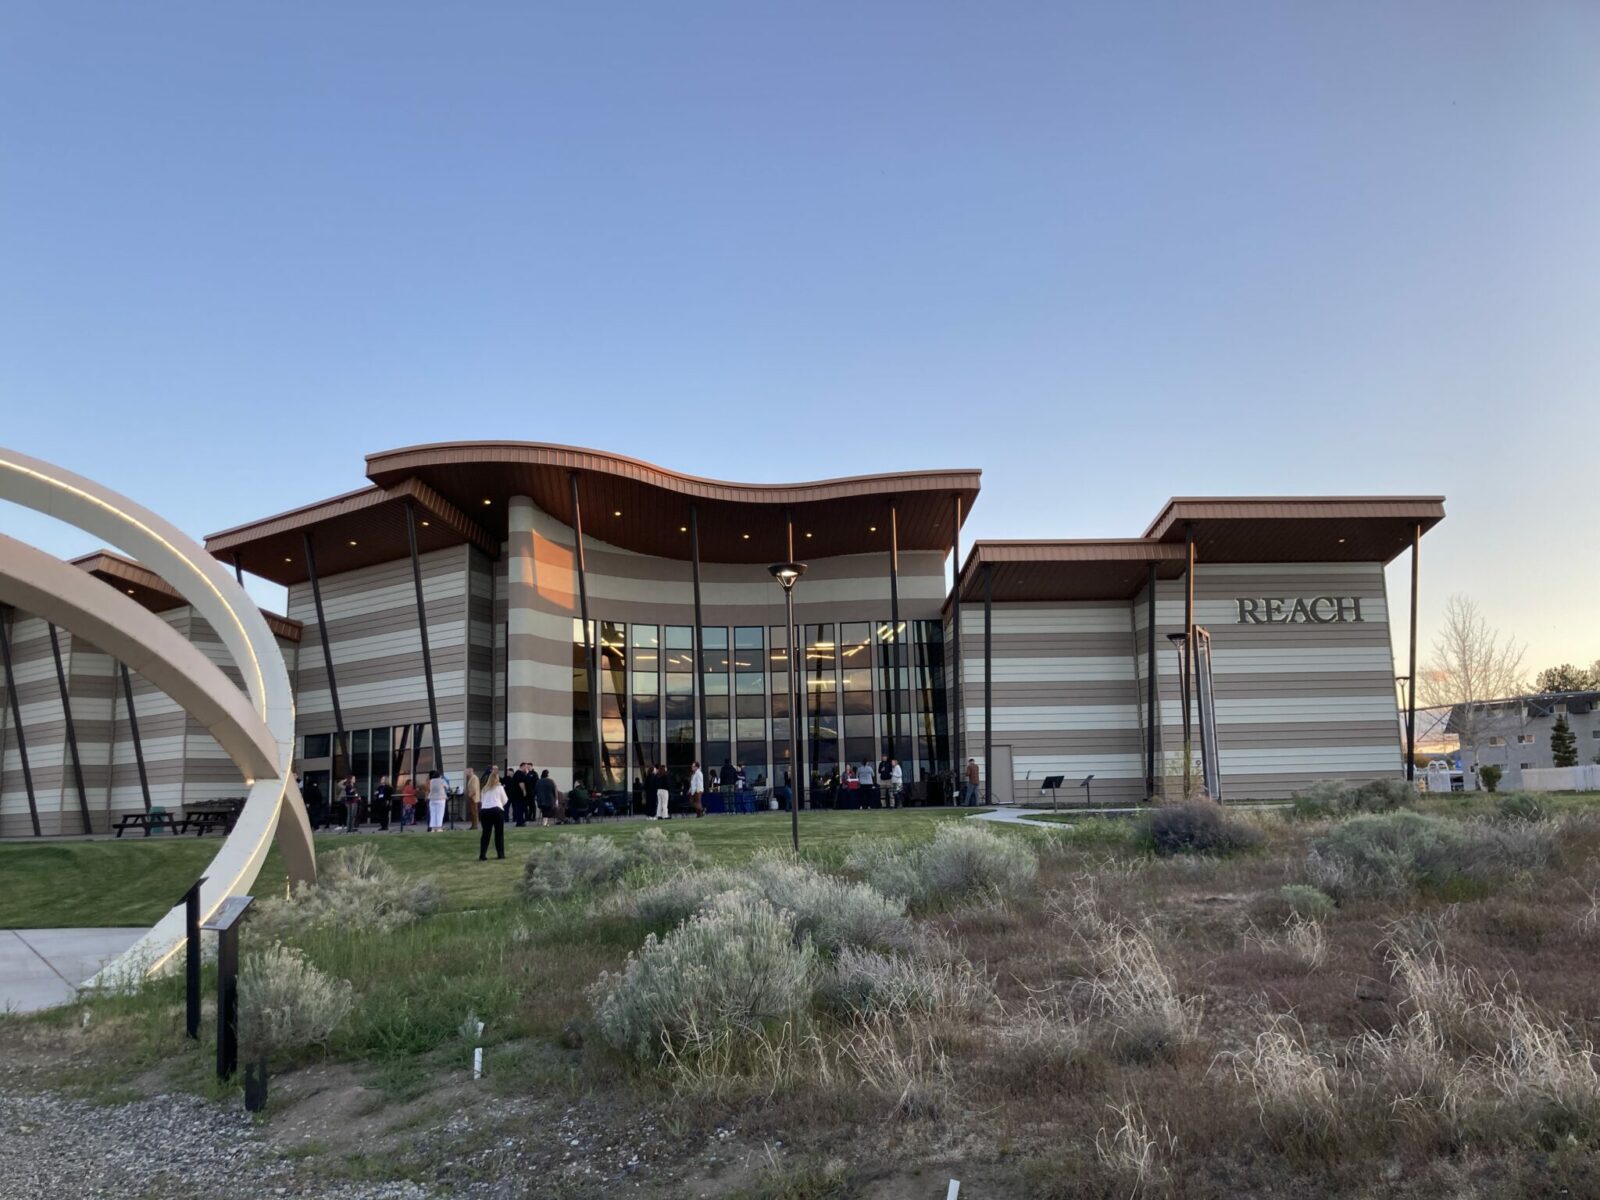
pixel 714 665
pixel 821 695
pixel 750 703
pixel 646 691
pixel 613 651
pixel 679 677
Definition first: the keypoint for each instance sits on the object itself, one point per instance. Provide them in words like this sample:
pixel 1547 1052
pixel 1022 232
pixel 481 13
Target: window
pixel 1527 766
pixel 319 745
pixel 1595 734
pixel 1526 739
pixel 1497 741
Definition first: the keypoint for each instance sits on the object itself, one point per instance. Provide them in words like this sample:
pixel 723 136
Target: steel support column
pixel 1411 669
pixel 957 738
pixel 1150 678
pixel 988 682
pixel 238 571
pixel 133 730
pixel 341 742
pixel 422 633
pixel 72 733
pixel 16 718
pixel 894 625
pixel 1187 672
pixel 590 657
pixel 694 644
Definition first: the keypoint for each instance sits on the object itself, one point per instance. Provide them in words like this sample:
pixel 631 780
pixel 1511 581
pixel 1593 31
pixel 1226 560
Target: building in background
pixel 1514 734
pixel 448 613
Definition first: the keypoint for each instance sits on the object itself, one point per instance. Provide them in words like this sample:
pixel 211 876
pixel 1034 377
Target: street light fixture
pixel 788 574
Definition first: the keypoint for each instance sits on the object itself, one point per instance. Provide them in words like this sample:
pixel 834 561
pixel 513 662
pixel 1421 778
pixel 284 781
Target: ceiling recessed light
pixel 424 524
pixel 130 591
pixel 747 537
pixel 616 512
pixel 1341 541
pixel 872 529
pixel 487 501
pixel 352 541
pixel 808 535
pixel 683 529
pixel 288 560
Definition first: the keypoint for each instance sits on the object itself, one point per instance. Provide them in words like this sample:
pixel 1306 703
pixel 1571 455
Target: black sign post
pixel 191 908
pixel 1050 784
pixel 225 924
pixel 1088 791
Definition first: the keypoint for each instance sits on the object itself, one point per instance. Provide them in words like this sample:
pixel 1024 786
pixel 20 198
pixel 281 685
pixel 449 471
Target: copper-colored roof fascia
pixel 1067 552
pixel 108 565
pixel 360 500
pixel 408 459
pixel 125 570
pixel 1427 510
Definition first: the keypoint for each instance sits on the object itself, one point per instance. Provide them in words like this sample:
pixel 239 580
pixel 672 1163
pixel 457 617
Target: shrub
pixel 286 1004
pixel 1306 901
pixel 727 969
pixel 356 892
pixel 864 981
pixel 1519 806
pixel 1295 1089
pixel 1491 776
pixel 678 897
pixel 570 864
pixel 1300 938
pixel 963 858
pixel 832 912
pixel 1139 996
pixel 1392 854
pixel 1196 827
pixel 1332 798
pixel 654 847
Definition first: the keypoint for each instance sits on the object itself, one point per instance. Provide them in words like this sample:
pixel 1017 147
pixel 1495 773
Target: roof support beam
pixel 589 656
pixel 133 730
pixel 1150 678
pixel 988 681
pixel 16 718
pixel 72 733
pixel 1411 667
pixel 422 633
pixel 896 652
pixel 1188 660
pixel 342 743
pixel 694 642
pixel 958 726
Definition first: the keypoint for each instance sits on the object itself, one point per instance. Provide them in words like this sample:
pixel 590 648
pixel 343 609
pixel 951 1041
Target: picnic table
pixel 151 822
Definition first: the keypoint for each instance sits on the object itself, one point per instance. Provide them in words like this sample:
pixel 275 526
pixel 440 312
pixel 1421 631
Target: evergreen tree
pixel 1563 746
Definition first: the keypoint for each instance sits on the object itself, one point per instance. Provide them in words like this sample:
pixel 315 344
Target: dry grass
pixel 1133 1150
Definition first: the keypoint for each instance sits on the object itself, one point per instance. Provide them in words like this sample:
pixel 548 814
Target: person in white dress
pixel 896 781
pixel 697 787
pixel 436 798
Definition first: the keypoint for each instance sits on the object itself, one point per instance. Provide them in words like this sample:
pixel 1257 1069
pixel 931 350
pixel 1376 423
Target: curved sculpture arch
pixel 258 734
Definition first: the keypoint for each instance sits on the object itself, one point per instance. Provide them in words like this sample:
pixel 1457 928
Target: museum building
pixel 494 602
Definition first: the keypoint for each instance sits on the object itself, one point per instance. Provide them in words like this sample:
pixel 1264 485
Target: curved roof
pixel 642 507
pixel 460 490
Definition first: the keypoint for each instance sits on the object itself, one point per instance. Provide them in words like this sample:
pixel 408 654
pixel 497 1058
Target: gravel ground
pixel 170 1147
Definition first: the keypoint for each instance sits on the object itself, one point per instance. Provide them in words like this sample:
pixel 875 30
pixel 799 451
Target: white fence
pixel 1562 779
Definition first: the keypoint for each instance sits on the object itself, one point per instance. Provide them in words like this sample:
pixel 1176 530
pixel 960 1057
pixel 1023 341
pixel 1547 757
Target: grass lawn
pixel 133 881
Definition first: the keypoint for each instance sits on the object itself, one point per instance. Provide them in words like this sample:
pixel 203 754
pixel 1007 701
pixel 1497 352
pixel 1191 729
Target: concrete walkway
pixel 40 968
pixel 1026 816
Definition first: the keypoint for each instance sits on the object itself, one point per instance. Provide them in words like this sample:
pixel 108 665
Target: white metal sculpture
pixel 257 733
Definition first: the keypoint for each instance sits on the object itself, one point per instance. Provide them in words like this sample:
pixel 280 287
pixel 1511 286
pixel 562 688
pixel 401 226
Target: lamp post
pixel 1180 643
pixel 789 574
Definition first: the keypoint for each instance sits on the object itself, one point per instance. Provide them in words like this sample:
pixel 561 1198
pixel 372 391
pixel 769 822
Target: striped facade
pixel 183 762
pixel 1294 702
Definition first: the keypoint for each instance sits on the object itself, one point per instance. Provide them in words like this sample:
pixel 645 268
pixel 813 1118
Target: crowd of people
pixel 490 801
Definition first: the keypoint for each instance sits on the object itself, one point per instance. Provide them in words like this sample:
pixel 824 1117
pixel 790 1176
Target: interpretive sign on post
pixel 225 924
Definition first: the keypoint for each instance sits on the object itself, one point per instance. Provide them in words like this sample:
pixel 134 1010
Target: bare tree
pixel 1471 666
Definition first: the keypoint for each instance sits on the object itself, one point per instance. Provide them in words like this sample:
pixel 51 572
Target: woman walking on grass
pixel 492 815
pixel 471 792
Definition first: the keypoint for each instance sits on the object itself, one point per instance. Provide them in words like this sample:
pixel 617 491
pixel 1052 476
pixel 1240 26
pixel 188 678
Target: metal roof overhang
pixel 1297 528
pixel 644 508
pixel 358 529
pixel 154 593
pixel 1106 569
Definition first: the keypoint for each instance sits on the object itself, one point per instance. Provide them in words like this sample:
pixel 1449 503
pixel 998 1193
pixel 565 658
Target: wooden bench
pixel 150 822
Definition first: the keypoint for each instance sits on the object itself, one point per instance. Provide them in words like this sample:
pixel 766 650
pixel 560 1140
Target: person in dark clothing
pixel 316 810
pixel 382 799
pixel 517 793
pixel 492 815
pixel 638 792
pixel 544 793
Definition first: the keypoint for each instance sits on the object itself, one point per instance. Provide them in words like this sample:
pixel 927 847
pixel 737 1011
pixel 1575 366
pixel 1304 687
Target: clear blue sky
pixel 1106 252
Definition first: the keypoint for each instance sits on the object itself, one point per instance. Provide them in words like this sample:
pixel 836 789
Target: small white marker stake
pixel 477 1062
pixel 955 1190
